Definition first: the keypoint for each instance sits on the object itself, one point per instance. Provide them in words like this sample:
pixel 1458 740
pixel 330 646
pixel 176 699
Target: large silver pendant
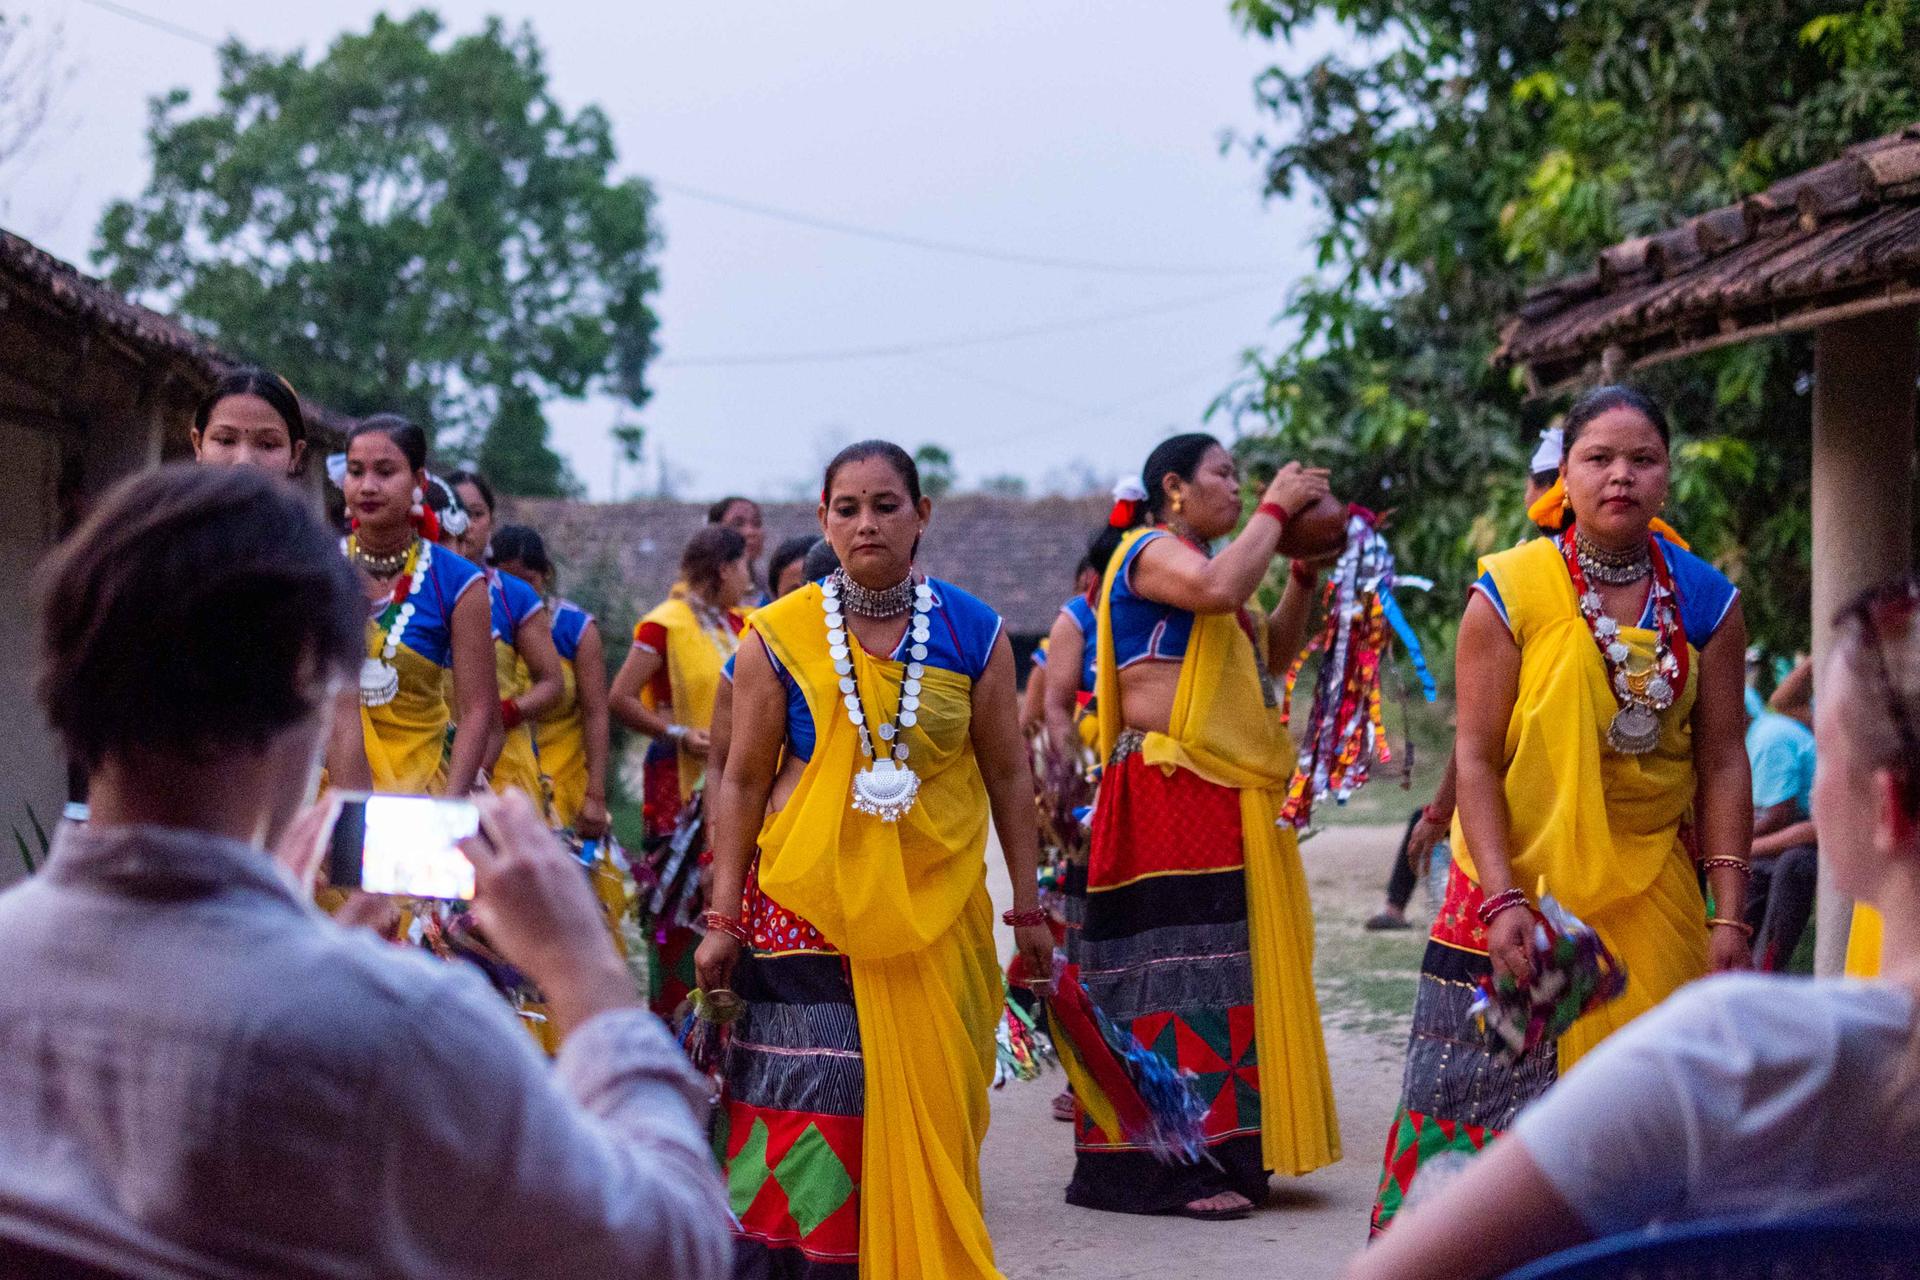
pixel 1634 731
pixel 886 790
pixel 379 682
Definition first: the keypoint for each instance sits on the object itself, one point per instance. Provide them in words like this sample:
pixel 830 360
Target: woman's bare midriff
pixel 784 783
pixel 1146 695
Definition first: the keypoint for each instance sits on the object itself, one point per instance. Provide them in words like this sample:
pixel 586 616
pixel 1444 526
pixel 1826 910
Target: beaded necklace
pixel 379 678
pixel 1644 694
pixel 887 788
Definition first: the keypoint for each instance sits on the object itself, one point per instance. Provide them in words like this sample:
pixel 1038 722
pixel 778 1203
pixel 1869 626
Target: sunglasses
pixel 1877 612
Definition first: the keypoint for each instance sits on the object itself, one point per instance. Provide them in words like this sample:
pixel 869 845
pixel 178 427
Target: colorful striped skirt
pixel 1455 1096
pixel 796 1101
pixel 1163 948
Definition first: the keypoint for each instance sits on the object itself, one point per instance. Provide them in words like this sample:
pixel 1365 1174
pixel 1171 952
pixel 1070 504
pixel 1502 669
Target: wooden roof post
pixel 1863 455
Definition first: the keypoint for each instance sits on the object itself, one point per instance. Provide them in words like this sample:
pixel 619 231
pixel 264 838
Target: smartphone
pixel 406 845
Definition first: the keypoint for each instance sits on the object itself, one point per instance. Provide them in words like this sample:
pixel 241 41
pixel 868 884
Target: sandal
pixel 1215 1215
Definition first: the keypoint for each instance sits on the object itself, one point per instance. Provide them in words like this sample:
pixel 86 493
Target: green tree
pixel 936 470
pixel 1463 151
pixel 407 222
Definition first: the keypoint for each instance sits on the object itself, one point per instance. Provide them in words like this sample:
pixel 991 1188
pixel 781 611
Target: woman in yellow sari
pixel 666 690
pixel 874 727
pixel 428 617
pixel 526 663
pixel 571 737
pixel 1601 715
pixel 1197 934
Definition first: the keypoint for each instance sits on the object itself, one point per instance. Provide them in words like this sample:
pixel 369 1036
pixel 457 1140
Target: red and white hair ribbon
pixel 1128 496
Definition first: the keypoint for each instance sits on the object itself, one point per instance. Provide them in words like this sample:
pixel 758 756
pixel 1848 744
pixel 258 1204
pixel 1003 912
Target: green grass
pixel 1366 981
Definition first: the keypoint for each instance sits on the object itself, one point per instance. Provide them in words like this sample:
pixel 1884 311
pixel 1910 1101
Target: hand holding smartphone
pixel 408 846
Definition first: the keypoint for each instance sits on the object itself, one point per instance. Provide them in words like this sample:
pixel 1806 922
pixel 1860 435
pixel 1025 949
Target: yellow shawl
pixel 406 738
pixel 695 658
pixel 907 903
pixel 560 741
pixel 1863 942
pixel 518 767
pixel 1602 828
pixel 1222 730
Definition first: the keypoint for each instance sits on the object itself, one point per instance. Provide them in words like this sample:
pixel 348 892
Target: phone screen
pixel 406 845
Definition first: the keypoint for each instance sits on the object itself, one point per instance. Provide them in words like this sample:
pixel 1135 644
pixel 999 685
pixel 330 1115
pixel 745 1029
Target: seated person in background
pixel 1743 1095
pixel 1793 696
pixel 202 1074
pixel 1780 895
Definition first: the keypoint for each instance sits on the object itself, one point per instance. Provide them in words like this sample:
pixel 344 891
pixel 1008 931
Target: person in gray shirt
pixel 201 1074
pixel 1750 1096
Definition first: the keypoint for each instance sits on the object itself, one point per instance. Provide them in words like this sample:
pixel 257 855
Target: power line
pixel 889 350
pixel 813 221
pixel 947 246
pixel 157 23
pixel 1113 408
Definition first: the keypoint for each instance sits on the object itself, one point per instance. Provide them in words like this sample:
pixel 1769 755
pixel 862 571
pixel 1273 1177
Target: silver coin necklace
pixel 379 678
pixel 888 787
pixel 1643 695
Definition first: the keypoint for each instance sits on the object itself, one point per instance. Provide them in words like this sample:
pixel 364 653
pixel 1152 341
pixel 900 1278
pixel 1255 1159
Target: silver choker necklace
pixel 1612 568
pixel 861 602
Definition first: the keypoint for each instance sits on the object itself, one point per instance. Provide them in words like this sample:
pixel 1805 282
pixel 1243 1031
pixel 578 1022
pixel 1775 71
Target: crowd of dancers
pixel 828 741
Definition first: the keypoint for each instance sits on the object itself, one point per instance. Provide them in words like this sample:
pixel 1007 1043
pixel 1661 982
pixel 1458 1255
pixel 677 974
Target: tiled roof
pixel 30 273
pixel 1838 240
pixel 1016 554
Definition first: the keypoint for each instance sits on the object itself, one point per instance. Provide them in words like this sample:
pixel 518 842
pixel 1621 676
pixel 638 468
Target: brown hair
pixel 718 511
pixel 892 454
pixel 1880 648
pixel 709 552
pixel 252 380
pixel 196 612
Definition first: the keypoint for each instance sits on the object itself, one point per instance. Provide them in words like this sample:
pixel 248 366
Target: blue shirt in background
pixel 1780 750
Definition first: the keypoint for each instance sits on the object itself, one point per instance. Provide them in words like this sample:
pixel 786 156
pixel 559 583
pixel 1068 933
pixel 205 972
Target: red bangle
pixel 721 922
pixel 1499 903
pixel 1301 573
pixel 510 713
pixel 1024 919
pixel 1275 510
pixel 1435 814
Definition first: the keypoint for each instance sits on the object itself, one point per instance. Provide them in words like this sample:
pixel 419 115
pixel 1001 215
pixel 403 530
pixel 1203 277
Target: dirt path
pixel 1313 1224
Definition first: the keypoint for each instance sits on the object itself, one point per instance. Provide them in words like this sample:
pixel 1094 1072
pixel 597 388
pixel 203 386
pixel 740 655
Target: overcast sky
pixel 1082 132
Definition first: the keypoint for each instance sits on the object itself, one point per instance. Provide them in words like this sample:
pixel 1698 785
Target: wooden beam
pixel 1863 425
pixel 1644 354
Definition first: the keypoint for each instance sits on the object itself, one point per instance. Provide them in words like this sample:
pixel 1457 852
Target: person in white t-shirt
pixel 1743 1095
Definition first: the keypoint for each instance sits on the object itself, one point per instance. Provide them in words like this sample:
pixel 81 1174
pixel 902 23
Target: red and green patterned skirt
pixel 1455 1096
pixel 1163 949
pixel 795 1105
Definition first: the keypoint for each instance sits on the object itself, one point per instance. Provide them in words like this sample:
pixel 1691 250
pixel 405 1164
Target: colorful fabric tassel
pixel 1125 1087
pixel 1023 1051
pixel 669 875
pixel 1573 974
pixel 706 1032
pixel 1346 731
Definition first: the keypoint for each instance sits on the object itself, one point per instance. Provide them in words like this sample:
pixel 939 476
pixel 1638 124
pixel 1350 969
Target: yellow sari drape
pixel 695 659
pixel 1222 730
pixel 907 904
pixel 560 740
pixel 406 738
pixel 1863 942
pixel 518 768
pixel 1602 828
